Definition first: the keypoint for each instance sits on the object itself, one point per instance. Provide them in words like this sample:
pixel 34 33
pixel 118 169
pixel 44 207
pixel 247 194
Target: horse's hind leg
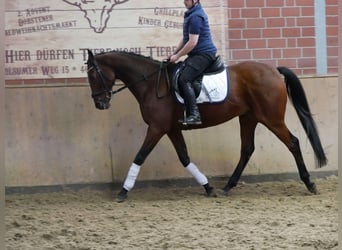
pixel 292 143
pixel 178 142
pixel 247 129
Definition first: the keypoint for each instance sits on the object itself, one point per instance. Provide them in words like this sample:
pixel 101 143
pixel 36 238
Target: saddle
pixel 216 67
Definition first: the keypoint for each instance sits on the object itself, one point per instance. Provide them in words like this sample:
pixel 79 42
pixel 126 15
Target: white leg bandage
pixel 131 176
pixel 199 177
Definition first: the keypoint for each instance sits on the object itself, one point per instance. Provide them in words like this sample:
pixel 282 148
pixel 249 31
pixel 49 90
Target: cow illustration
pixel 97 12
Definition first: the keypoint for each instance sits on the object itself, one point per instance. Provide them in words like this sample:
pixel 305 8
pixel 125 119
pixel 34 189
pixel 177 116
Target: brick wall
pixel 332 34
pixel 280 32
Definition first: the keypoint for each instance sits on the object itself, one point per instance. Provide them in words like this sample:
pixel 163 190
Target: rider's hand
pixel 173 58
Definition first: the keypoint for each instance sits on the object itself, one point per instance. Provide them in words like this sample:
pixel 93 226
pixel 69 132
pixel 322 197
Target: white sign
pixel 48 39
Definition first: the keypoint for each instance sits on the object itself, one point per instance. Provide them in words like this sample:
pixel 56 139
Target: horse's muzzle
pixel 102 105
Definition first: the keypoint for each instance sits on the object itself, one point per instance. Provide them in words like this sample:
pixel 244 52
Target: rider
pixel 198 45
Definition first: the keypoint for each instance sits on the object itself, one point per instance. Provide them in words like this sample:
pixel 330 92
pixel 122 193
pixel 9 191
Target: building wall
pixel 55 136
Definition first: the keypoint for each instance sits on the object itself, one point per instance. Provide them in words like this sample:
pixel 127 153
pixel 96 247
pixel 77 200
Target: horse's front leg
pixel 178 142
pixel 152 137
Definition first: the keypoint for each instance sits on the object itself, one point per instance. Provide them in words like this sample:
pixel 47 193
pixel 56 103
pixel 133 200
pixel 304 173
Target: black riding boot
pixel 193 115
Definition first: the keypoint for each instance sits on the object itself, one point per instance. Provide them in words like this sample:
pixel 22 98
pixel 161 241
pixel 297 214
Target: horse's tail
pixel 297 96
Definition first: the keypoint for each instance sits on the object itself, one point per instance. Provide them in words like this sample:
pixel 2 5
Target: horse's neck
pixel 131 67
pixel 136 74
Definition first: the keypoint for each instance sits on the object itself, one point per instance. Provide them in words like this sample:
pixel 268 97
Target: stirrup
pixel 191 121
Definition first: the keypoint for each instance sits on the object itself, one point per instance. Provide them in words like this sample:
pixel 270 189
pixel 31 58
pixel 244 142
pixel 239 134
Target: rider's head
pixel 190 3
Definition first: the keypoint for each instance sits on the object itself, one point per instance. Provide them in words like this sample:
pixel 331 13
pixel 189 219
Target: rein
pixel 163 66
pixel 166 77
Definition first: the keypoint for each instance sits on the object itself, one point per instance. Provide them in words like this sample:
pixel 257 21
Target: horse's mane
pixel 132 54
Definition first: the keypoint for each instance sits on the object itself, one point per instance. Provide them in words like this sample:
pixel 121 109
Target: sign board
pixel 49 39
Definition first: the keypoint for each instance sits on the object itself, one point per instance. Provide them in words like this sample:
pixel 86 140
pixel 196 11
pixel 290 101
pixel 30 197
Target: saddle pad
pixel 214 88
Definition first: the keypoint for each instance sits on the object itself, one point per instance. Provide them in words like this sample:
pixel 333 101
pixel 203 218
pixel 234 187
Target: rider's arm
pixel 184 50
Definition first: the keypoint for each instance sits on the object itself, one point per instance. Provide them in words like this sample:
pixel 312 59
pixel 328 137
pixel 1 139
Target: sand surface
pixel 269 215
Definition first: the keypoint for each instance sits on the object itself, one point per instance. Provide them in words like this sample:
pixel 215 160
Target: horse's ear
pixel 90 55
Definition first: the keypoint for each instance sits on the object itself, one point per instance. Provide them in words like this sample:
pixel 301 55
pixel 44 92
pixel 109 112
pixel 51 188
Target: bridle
pixel 109 92
pixel 103 78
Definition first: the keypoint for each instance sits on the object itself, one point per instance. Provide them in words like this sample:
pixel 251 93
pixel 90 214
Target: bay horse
pixel 257 94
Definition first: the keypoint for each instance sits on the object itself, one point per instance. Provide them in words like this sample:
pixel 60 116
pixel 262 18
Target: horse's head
pixel 101 81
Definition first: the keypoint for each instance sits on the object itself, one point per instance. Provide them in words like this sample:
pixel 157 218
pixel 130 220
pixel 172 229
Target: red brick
pixel 305 21
pixel 242 54
pixel 276 43
pixel 304 2
pixel 308 71
pixel 290 11
pixel 308 52
pixel 256 23
pixel 332 51
pixel 306 62
pixel 308 31
pixel 332 31
pixel 251 33
pixel 256 43
pixel 291 63
pixel 253 3
pixel 235 4
pixel 275 22
pixel 305 42
pixel 234 13
pixel 331 10
pixel 307 11
pixel 292 53
pixel 333 70
pixel 331 20
pixel 271 33
pixel 237 44
pixel 332 41
pixel 270 12
pixel 250 13
pixel 234 34
pixel 291 32
pixel 236 23
pixel 261 53
pixel 331 2
pixel 275 3
pixel 332 61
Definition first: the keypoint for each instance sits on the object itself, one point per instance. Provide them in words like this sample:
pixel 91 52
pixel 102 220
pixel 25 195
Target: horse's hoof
pixel 225 192
pixel 312 188
pixel 122 196
pixel 211 192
